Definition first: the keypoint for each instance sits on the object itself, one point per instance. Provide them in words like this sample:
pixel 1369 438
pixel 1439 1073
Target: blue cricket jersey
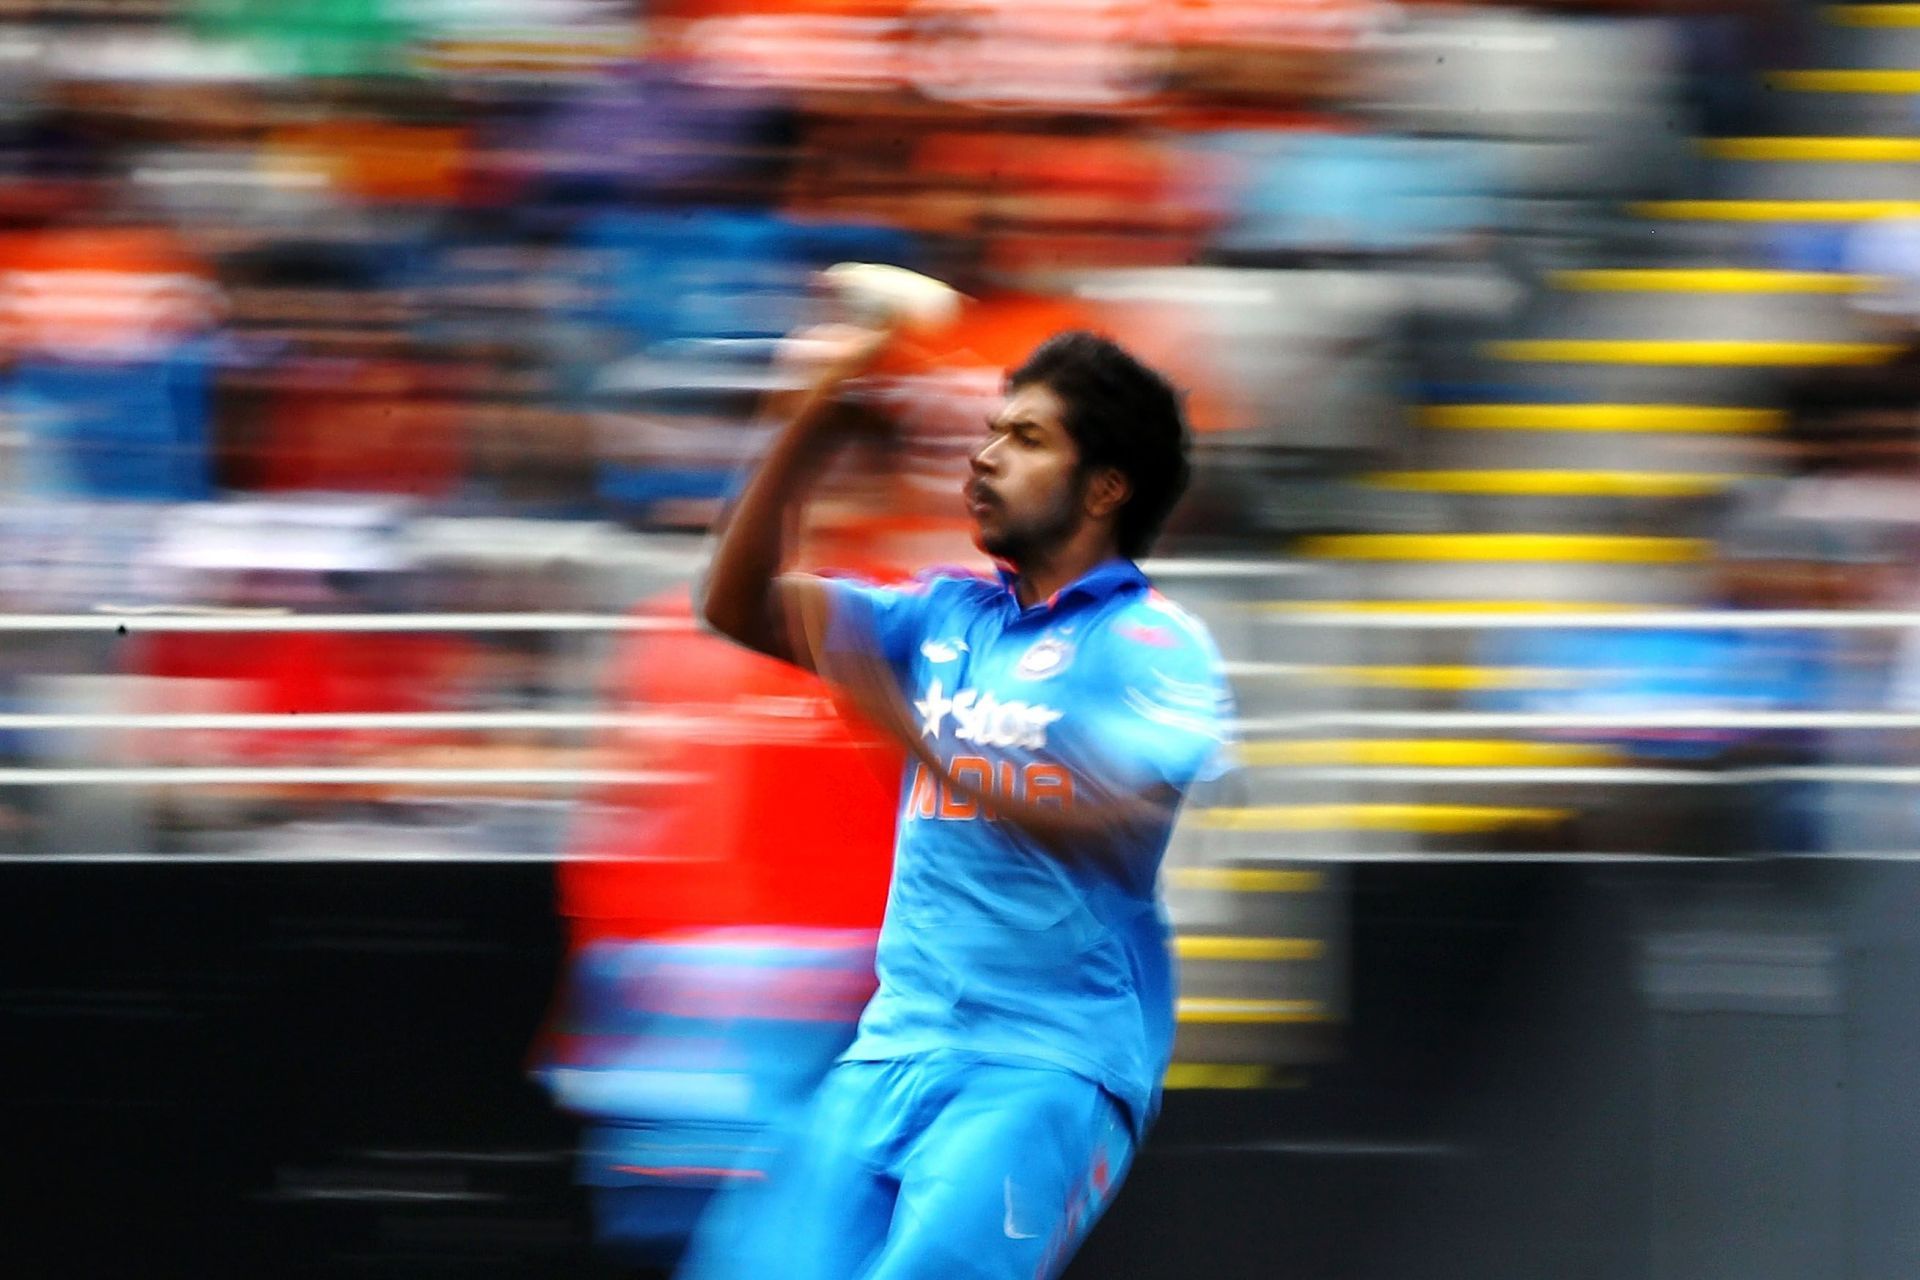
pixel 993 944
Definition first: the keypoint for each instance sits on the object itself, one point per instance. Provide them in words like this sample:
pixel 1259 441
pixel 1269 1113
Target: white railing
pixel 1596 720
pixel 1618 775
pixel 135 621
pixel 348 775
pixel 329 721
pixel 1648 619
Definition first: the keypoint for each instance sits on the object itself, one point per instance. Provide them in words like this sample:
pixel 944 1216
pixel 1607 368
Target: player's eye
pixel 1024 434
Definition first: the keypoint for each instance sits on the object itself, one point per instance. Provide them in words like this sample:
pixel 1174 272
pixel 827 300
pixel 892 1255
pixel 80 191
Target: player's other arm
pixel 748 596
pixel 1100 828
pixel 1165 723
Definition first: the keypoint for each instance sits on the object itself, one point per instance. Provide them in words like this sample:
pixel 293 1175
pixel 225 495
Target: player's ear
pixel 1107 491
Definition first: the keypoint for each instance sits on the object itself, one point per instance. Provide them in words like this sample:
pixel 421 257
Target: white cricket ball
pixel 877 293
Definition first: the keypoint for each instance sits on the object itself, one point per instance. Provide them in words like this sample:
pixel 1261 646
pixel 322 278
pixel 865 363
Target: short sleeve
pixel 888 621
pixel 1168 719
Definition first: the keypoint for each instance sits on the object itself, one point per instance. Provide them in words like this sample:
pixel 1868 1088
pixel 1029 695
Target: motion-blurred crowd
pixel 526 260
pixel 459 304
pixel 340 305
pixel 383 306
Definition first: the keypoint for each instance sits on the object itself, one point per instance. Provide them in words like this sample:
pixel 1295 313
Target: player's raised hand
pixel 745 596
pixel 832 352
pixel 869 305
pixel 868 308
pixel 893 298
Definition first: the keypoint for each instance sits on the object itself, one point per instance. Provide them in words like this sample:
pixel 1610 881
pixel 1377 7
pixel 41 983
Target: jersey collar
pixel 1106 579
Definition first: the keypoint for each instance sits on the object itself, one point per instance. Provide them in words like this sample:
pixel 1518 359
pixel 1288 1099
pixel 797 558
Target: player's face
pixel 1024 490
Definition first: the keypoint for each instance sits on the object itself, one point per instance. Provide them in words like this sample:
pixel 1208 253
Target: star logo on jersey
pixel 1047 656
pixel 933 710
pixel 984 719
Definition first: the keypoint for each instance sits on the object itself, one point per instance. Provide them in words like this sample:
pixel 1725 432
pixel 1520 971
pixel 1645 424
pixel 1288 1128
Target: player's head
pixel 1087 438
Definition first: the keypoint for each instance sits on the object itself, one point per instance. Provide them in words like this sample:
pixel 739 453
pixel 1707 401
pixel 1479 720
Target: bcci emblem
pixel 1048 657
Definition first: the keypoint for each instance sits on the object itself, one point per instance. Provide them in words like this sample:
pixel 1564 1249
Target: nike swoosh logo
pixel 1007 1226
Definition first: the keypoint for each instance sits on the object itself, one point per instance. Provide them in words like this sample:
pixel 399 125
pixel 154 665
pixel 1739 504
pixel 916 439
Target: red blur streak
pixel 794 830
pixel 688 1171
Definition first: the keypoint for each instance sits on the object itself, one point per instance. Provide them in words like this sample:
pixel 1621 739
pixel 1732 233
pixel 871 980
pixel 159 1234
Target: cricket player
pixel 1055 714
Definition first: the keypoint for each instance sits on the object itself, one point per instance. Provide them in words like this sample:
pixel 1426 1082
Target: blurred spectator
pixel 111 376
pixel 651 130
pixel 311 37
pixel 1339 196
pixel 530 259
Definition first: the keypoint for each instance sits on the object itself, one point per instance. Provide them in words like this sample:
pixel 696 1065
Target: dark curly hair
pixel 1121 414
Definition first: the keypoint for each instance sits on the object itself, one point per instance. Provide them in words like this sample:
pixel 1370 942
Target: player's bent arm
pixel 1098 826
pixel 1094 831
pixel 745 596
pixel 1162 729
pixel 1091 830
